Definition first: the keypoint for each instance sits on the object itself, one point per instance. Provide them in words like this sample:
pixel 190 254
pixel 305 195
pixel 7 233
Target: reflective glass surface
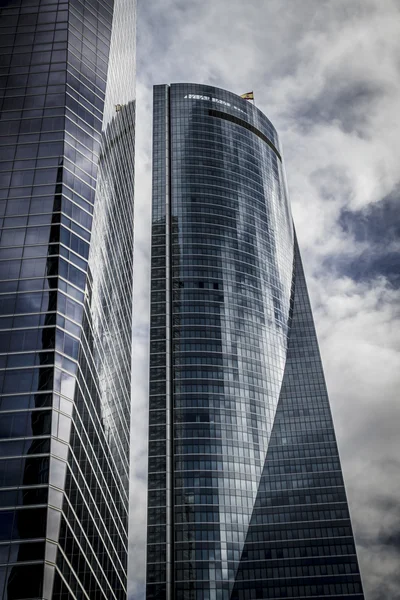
pixel 239 415
pixel 66 221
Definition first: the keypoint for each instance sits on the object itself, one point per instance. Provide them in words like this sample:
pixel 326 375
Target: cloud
pixel 375 235
pixel 327 75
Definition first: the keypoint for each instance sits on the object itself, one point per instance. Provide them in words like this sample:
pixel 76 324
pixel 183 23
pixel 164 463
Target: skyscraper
pixel 67 77
pixel 246 495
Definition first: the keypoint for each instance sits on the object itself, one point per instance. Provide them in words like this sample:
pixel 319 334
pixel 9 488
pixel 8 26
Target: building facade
pixel 246 495
pixel 67 85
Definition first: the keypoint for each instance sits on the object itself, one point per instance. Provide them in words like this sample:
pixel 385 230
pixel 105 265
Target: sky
pixel 327 74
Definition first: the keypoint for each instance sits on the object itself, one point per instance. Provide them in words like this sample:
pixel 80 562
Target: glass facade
pixel 67 73
pixel 246 497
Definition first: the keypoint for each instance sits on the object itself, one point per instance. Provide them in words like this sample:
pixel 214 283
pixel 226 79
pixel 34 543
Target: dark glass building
pixel 246 494
pixel 66 213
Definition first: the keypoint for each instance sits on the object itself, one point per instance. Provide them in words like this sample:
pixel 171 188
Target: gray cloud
pixel 327 75
pixel 374 233
pixel 343 105
pixel 378 223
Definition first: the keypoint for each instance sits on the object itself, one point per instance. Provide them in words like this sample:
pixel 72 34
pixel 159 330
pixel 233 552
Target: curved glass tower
pixel 67 83
pixel 246 494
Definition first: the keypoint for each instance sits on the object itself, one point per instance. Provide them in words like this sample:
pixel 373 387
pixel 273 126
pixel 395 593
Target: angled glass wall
pixel 66 201
pixel 246 496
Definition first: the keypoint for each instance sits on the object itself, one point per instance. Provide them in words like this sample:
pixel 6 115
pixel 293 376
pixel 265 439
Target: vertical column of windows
pixel 158 436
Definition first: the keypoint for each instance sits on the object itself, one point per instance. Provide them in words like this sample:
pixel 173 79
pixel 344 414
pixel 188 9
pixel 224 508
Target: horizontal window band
pixel 227 117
